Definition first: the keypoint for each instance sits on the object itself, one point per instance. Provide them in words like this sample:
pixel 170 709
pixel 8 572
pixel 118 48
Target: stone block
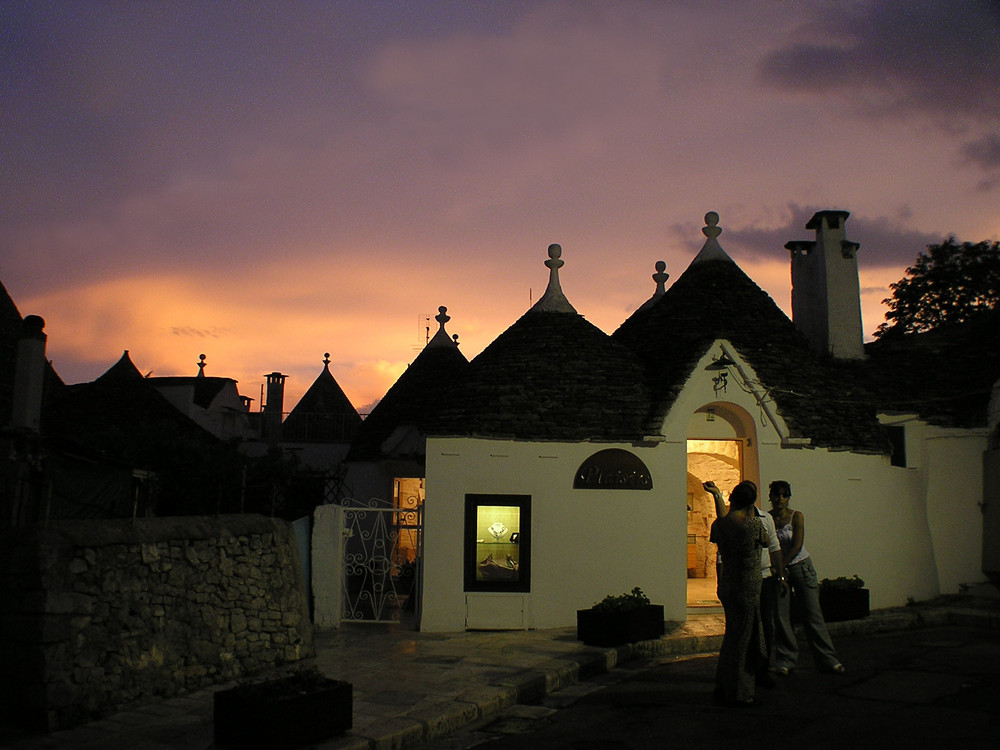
pixel 68 602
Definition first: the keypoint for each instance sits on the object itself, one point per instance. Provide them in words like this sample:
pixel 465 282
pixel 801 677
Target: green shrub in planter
pixel 623 618
pixel 843 599
pixel 842 583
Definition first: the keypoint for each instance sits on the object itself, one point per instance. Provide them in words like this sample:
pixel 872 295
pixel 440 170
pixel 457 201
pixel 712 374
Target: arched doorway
pixel 721 447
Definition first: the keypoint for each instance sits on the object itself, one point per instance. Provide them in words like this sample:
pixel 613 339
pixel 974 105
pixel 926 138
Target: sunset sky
pixel 266 182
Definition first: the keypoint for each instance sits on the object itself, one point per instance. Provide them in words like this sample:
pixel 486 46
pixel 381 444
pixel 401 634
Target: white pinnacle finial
pixel 554 262
pixel 711 250
pixel 441 338
pixel 660 277
pixel 712 230
pixel 554 300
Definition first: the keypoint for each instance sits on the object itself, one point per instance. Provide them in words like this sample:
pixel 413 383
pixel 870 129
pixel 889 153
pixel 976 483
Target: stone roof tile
pixel 550 376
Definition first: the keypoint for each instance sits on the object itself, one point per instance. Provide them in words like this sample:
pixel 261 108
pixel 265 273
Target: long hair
pixel 780 487
pixel 743 495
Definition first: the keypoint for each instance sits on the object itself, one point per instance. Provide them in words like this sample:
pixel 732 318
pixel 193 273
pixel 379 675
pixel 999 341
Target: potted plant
pixel 624 618
pixel 843 598
pixel 297 709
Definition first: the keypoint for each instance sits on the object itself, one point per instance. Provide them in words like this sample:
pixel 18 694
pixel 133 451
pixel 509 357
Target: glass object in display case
pixel 497 550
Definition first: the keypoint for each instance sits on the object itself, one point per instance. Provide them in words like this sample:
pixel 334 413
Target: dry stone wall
pixel 97 615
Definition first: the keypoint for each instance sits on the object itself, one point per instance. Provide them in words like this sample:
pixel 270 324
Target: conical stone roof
pixel 413 401
pixel 551 376
pixel 124 370
pixel 324 413
pixel 714 299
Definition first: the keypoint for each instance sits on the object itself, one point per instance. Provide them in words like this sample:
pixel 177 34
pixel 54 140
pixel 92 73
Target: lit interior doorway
pixel 408 499
pixel 720 461
pixel 407 551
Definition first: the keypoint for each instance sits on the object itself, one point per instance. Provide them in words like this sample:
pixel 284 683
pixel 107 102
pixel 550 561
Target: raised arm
pixel 715 492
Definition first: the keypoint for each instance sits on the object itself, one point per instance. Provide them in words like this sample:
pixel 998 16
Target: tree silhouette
pixel 950 283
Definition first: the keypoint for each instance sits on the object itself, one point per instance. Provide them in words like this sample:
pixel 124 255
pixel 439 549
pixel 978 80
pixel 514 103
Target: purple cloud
pixel 885 242
pixel 984 151
pixel 893 58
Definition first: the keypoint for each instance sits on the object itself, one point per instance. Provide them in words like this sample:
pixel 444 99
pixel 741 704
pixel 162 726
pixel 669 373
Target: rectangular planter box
pixel 597 628
pixel 255 717
pixel 844 604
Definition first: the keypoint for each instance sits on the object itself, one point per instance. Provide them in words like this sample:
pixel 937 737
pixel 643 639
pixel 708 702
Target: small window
pixel 498 543
pixel 897 441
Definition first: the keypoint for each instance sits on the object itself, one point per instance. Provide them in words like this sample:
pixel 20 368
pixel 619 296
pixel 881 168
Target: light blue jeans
pixel 803 580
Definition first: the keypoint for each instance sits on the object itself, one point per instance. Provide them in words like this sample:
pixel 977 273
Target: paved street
pixel 917 673
pixel 934 687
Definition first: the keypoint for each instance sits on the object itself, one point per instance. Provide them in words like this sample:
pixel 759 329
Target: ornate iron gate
pixel 383 547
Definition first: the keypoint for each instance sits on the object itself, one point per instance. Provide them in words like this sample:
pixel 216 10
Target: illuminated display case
pixel 497 543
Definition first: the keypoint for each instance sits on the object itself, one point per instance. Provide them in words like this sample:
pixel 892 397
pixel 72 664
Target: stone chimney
pixel 274 407
pixel 826 295
pixel 29 375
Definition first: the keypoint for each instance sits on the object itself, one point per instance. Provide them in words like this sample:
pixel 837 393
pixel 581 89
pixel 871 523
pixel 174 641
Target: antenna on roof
pixel 423 321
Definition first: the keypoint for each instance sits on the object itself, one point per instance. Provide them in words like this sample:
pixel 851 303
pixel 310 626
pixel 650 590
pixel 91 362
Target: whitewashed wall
pixel 585 544
pixel 910 532
pixel 862 517
pixel 954 471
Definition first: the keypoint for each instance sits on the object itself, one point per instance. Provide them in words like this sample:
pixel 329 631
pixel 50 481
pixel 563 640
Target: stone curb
pixel 532 685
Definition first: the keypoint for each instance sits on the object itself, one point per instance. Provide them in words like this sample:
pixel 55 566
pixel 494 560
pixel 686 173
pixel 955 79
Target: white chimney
pixel 275 405
pixel 826 294
pixel 29 375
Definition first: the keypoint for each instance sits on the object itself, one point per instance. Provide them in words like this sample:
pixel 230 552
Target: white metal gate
pixel 383 548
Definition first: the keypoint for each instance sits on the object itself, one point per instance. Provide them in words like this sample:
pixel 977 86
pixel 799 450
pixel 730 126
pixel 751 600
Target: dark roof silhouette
pixel 124 370
pixel 946 375
pixel 117 404
pixel 413 401
pixel 714 299
pixel 206 388
pixel 10 331
pixel 10 316
pixel 551 376
pixel 324 414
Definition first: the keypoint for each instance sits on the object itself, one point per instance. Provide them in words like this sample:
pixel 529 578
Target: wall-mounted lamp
pixel 721 366
pixel 721 363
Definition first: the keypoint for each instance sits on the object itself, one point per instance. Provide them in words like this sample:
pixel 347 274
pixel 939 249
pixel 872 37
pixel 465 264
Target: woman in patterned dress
pixel 740 536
